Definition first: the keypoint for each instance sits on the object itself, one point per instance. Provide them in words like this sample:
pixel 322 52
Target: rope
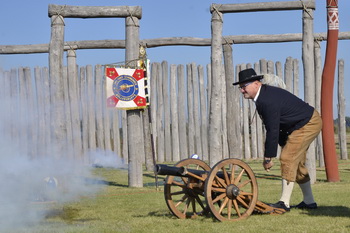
pixel 218 12
pixel 121 62
pixel 132 17
pixel 318 40
pixel 72 49
pixel 59 15
pixel 306 9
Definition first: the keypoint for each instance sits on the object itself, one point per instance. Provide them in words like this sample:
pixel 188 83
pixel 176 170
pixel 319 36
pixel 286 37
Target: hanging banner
pixel 125 88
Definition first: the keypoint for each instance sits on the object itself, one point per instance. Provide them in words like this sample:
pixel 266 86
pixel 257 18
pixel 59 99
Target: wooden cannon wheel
pixel 184 196
pixel 231 190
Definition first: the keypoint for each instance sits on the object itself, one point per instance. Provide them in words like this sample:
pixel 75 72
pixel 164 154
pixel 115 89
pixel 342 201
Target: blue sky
pixel 27 22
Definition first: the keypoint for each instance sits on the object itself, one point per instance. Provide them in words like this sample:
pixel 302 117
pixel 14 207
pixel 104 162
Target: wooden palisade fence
pixel 179 111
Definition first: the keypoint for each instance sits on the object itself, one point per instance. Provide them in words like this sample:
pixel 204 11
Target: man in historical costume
pixel 289 122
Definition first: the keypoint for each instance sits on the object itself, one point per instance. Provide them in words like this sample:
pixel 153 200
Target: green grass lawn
pixel 117 208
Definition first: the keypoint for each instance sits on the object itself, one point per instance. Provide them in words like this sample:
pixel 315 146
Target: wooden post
pixel 23 109
pixel 167 133
pixel 215 143
pixel 107 117
pixel 253 130
pixel 245 118
pixel 175 145
pixel 58 125
pixel 182 112
pixel 15 108
pixel 116 133
pixel 259 125
pixel 98 109
pixel 191 134
pixel 263 66
pixel 68 120
pixel 6 104
pixel 279 72
pixel 296 76
pixel 31 114
pixel 225 150
pixel 232 103
pixel 153 105
pixel 84 113
pixel 74 103
pixel 134 122
pixel 309 80
pixel 91 109
pixel 203 113
pixel 125 150
pixel 341 111
pixel 318 83
pixel 288 74
pixel 270 67
pixel 209 86
pixel 160 115
pixel 40 88
pixel 148 141
pixel 196 110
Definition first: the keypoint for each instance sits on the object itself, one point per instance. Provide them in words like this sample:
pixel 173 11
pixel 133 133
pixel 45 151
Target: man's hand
pixel 267 164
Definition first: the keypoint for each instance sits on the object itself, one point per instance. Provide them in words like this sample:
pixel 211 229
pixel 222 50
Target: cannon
pixel 229 190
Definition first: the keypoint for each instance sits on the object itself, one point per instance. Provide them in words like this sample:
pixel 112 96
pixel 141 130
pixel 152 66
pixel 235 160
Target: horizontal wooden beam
pixel 95 11
pixel 263 6
pixel 170 41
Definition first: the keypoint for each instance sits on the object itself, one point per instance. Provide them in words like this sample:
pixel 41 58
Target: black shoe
pixel 303 205
pixel 280 205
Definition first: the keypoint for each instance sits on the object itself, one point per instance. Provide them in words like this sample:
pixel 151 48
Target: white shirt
pixel 257 95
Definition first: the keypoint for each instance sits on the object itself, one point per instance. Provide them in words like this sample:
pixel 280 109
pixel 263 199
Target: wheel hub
pixel 232 191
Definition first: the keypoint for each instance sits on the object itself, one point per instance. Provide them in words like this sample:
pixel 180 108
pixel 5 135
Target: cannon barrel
pixel 162 169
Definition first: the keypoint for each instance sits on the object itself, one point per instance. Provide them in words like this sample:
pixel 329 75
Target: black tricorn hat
pixel 248 75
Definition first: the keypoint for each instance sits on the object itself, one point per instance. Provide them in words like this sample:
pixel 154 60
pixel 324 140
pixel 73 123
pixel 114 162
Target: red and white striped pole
pixel 330 155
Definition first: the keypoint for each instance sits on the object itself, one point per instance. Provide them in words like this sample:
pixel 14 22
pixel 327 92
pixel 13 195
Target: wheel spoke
pixel 198 191
pixel 239 177
pixel 181 201
pixel 193 205
pixel 221 190
pixel 242 202
pixel 223 205
pixel 218 198
pixel 245 194
pixel 220 181
pixel 178 184
pixel 235 204
pixel 227 180
pixel 185 180
pixel 229 209
pixel 200 202
pixel 177 193
pixel 188 201
pixel 244 183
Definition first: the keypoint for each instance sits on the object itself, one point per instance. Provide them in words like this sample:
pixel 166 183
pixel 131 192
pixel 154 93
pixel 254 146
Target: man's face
pixel 249 89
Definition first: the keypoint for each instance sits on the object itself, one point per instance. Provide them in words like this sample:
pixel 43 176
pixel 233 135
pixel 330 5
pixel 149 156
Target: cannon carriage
pixel 229 190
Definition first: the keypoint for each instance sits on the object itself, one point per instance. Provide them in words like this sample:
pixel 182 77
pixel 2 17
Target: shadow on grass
pixel 68 215
pixel 329 211
pixel 171 216
pixel 267 176
pixel 94 181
